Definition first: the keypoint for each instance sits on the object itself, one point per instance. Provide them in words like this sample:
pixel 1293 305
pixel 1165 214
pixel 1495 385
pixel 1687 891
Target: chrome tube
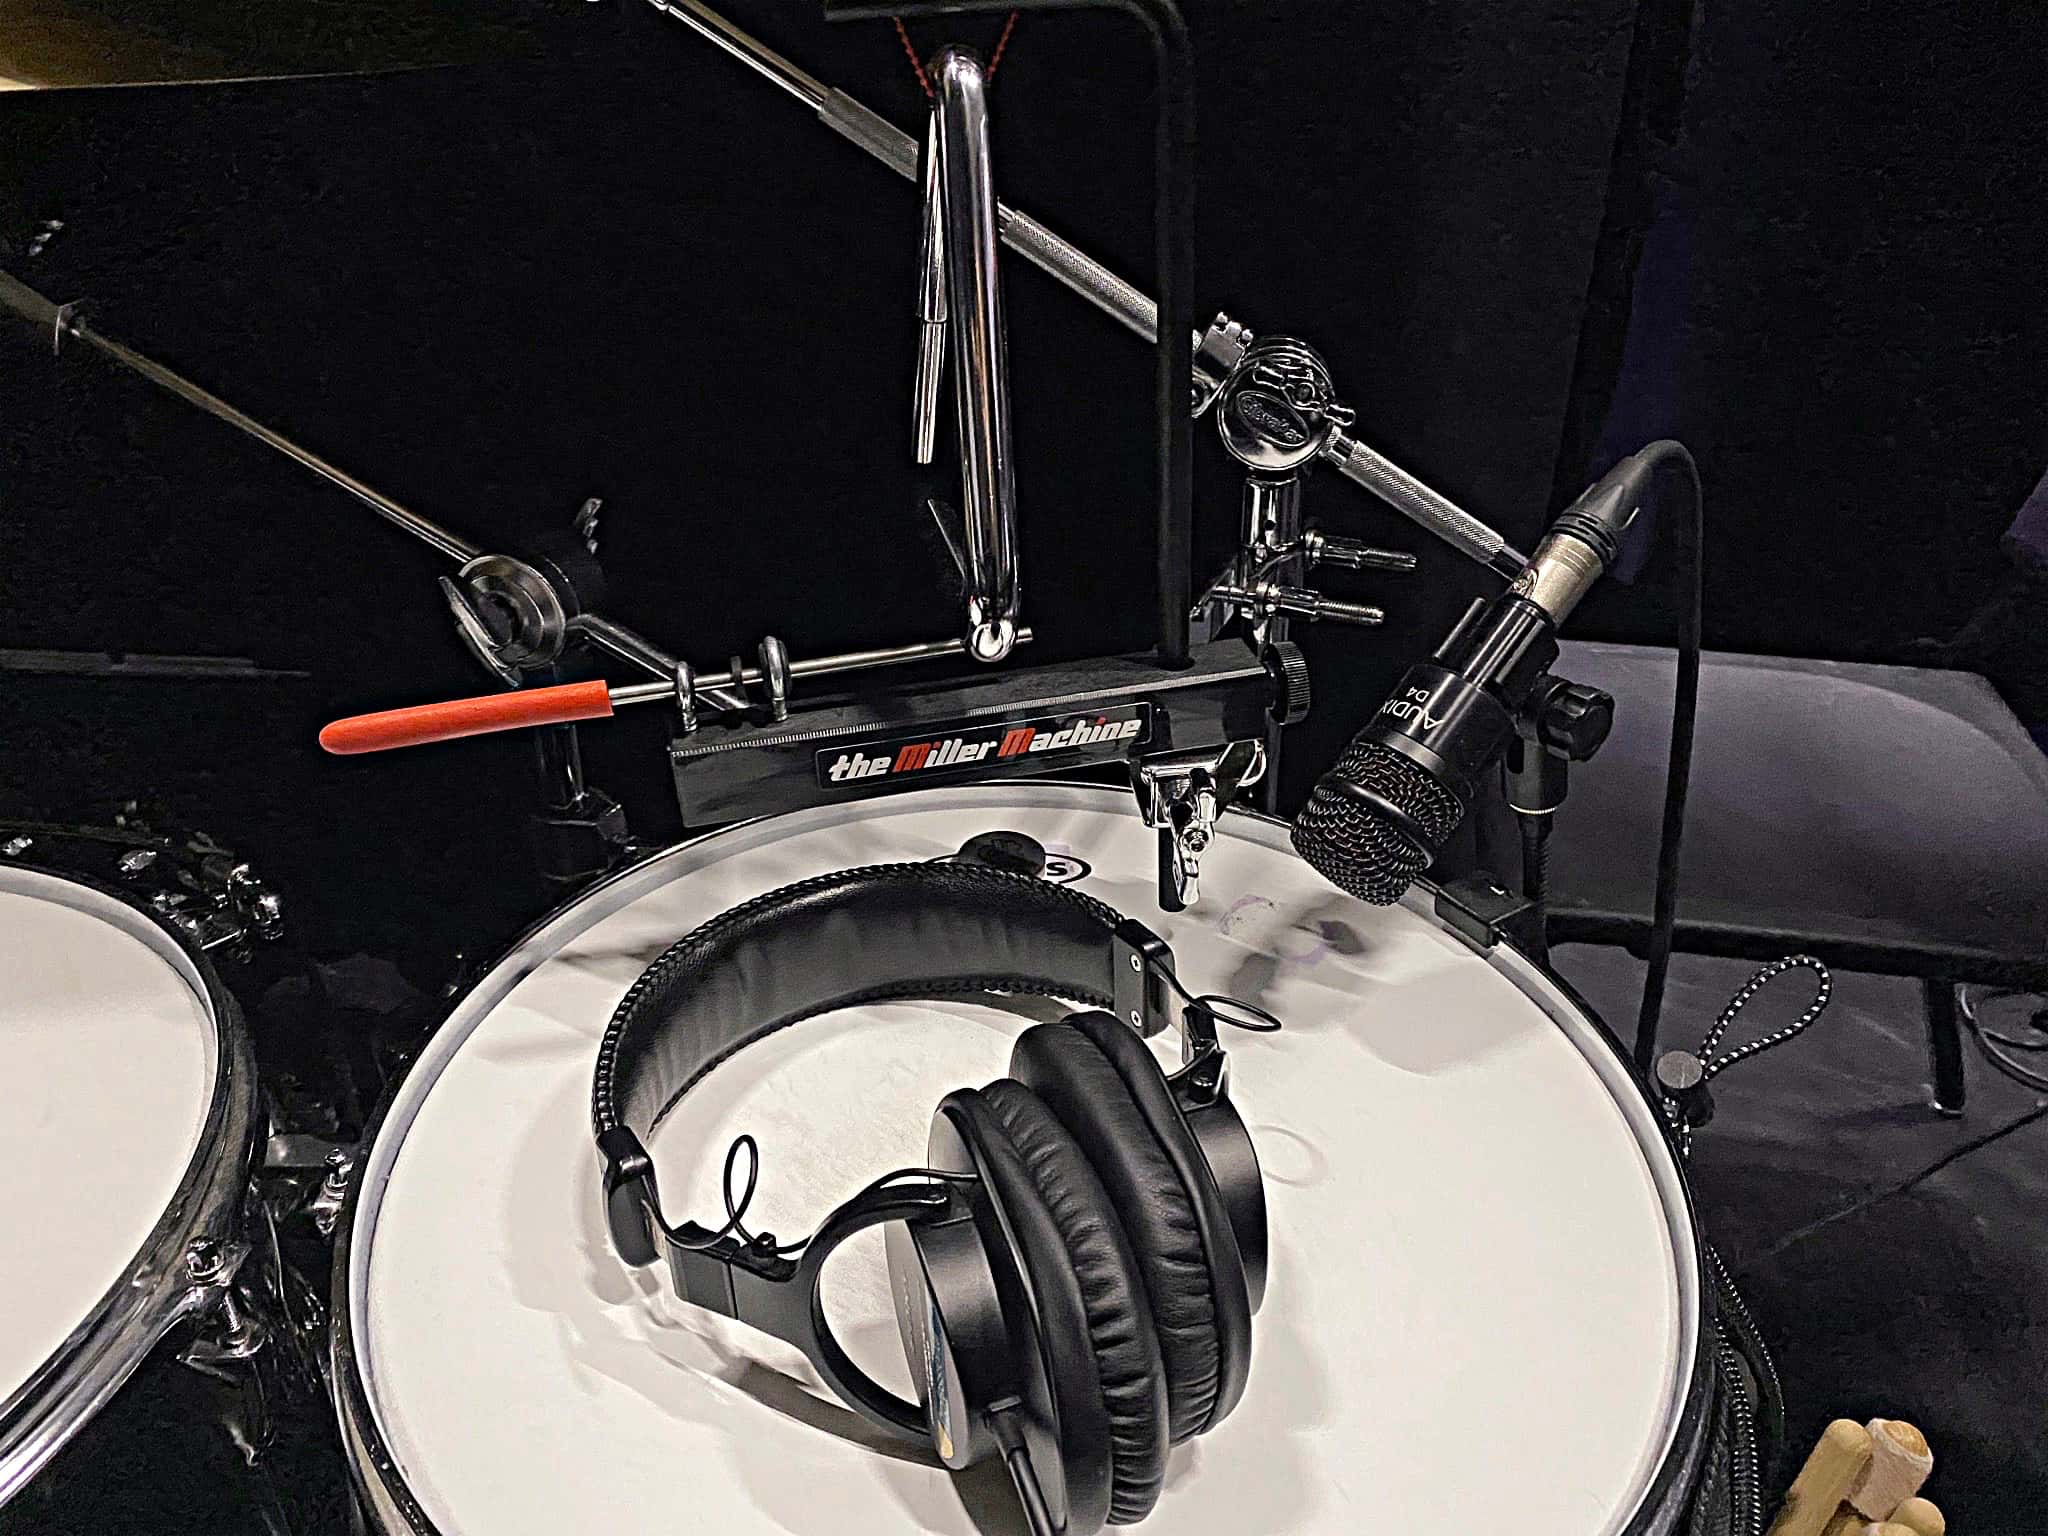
pixel 931 308
pixel 981 373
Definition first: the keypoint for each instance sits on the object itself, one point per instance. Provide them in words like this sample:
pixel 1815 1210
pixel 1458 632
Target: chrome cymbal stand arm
pixel 65 323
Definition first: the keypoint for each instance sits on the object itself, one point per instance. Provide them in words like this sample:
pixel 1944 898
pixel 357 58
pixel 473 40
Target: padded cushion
pixel 1070 1073
pixel 1147 1085
pixel 1132 1375
pixel 835 941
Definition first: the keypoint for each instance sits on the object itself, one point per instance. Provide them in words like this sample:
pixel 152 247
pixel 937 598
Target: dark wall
pixel 632 270
pixel 1839 309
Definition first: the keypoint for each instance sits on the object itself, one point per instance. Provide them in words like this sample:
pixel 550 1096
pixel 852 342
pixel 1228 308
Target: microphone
pixel 1377 818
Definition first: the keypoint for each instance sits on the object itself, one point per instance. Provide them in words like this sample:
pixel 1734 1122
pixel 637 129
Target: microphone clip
pixel 1561 723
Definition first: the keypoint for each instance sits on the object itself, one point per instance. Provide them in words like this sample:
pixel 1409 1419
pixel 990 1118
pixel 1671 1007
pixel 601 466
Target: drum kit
pixel 1487 1298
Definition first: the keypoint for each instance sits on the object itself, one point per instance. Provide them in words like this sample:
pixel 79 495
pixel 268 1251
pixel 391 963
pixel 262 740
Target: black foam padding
pixel 1064 1066
pixel 1078 1084
pixel 1362 852
pixel 1131 1372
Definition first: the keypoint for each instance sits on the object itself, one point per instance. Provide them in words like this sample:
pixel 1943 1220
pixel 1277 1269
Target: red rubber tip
pixel 467 717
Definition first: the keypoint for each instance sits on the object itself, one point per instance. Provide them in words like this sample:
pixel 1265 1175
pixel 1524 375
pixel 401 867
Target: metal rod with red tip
pixel 453 719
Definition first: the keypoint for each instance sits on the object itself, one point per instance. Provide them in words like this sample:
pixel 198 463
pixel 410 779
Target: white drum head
pixel 1480 1312
pixel 108 1059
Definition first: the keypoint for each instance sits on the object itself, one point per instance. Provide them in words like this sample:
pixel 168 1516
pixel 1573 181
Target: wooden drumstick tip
pixel 1919 1516
pixel 1900 1461
pixel 1849 1523
pixel 1837 1462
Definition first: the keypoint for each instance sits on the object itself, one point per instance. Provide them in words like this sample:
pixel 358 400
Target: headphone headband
pixel 884 932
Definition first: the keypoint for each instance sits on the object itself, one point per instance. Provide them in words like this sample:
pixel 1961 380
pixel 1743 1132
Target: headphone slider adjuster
pixel 1140 963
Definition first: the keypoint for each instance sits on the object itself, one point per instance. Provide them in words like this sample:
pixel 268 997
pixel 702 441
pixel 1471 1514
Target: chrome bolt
pixel 14 847
pixel 204 1261
pixel 339 1167
pixel 136 861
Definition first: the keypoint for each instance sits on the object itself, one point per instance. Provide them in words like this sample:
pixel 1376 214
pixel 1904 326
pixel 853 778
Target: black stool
pixel 1890 819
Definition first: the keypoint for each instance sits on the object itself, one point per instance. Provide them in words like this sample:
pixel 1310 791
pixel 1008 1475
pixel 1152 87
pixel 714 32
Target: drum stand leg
pixel 579 832
pixel 1944 1044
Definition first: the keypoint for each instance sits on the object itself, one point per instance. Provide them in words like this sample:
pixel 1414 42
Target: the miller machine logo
pixel 1006 744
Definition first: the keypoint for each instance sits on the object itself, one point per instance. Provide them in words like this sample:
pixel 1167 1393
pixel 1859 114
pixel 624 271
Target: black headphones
pixel 1075 1271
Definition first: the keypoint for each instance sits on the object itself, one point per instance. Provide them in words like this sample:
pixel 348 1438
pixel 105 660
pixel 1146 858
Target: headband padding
pixel 837 941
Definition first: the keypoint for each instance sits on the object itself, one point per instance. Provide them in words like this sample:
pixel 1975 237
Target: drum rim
pixel 374 1469
pixel 153 1294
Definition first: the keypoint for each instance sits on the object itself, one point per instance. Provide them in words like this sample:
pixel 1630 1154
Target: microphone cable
pixel 1685 705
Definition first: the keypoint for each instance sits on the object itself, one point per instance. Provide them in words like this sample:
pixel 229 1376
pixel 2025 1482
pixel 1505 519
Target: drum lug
pixel 1181 794
pixel 293 1158
pixel 258 1338
pixel 232 1332
pixel 325 1206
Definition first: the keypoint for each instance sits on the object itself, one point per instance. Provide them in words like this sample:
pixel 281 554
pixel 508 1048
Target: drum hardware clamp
pixel 1277 414
pixel 220 910
pixel 1181 794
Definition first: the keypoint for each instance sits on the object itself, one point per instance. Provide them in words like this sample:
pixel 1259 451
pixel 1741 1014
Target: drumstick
pixel 1838 1460
pixel 1920 1516
pixel 1899 1463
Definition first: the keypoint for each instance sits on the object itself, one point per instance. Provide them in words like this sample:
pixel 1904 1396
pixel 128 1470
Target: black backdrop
pixel 627 268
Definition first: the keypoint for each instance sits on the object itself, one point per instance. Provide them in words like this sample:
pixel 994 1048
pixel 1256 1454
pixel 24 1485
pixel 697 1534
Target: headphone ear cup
pixel 1084 1280
pixel 1111 1095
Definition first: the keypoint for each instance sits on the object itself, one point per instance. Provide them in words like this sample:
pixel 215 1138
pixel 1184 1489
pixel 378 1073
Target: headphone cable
pixel 1002 1423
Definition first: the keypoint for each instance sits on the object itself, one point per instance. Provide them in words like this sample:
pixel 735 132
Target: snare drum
pixel 1485 1303
pixel 125 1149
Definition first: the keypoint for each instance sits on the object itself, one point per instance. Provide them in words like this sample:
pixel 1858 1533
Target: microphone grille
pixel 1363 853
